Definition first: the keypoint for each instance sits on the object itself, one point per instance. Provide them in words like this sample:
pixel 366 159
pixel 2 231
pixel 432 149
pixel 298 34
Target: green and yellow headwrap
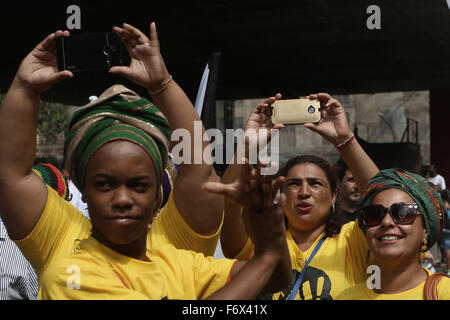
pixel 118 114
pixel 423 193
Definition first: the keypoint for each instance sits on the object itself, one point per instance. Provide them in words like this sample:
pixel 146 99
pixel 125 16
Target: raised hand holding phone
pixel 333 125
pixel 147 67
pixel 38 70
pixel 296 111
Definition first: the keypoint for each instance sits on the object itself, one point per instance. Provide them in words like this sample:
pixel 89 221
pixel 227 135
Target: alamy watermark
pixel 74 20
pixel 74 280
pixel 374 280
pixel 373 22
pixel 221 148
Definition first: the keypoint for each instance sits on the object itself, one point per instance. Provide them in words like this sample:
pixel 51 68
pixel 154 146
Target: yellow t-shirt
pixel 362 292
pixel 58 232
pixel 339 264
pixel 61 228
pixel 97 272
pixel 170 227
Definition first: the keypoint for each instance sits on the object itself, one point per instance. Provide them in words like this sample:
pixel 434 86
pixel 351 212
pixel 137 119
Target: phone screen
pixel 89 52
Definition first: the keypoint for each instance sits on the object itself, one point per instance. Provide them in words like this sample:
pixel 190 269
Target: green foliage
pixel 53 119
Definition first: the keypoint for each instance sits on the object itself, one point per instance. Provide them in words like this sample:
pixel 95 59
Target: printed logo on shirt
pixel 316 285
pixel 76 245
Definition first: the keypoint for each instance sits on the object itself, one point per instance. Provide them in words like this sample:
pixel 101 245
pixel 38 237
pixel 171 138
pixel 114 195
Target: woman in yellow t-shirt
pixel 116 151
pixel 337 254
pixel 402 216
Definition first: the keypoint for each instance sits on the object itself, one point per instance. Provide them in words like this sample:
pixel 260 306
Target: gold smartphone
pixel 296 111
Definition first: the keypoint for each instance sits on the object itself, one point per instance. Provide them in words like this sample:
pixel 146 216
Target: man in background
pixel 348 194
pixel 435 178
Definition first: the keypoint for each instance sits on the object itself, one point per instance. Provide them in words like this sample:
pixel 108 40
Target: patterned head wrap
pixel 419 189
pixel 169 177
pixel 52 177
pixel 118 114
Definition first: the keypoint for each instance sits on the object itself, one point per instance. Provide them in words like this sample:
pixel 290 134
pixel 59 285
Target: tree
pixel 53 120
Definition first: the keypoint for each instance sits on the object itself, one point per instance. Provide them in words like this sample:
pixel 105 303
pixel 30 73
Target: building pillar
pixel 440 132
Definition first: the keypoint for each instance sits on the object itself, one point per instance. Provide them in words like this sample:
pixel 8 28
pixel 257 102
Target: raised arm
pixel 269 270
pixel 200 209
pixel 334 128
pixel 234 236
pixel 22 194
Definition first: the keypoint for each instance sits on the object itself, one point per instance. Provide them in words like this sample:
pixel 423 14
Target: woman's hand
pixel 147 67
pixel 334 125
pixel 235 191
pixel 238 190
pixel 39 69
pixel 263 219
pixel 261 119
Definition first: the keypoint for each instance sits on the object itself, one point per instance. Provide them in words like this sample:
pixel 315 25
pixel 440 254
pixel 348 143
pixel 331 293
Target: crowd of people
pixel 148 229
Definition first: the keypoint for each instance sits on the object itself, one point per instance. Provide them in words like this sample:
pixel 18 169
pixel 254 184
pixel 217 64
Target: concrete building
pixel 377 117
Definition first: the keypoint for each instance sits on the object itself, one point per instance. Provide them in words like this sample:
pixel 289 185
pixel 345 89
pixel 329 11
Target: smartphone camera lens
pixel 311 109
pixel 109 50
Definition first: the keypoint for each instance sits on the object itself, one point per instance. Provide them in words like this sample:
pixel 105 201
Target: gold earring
pixel 423 249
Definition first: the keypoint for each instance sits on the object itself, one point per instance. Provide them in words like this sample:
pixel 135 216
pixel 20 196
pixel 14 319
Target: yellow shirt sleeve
pixel 56 232
pixel 198 275
pixel 170 227
pixel 247 251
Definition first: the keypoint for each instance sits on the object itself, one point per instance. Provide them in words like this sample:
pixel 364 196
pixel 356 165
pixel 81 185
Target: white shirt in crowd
pixel 438 180
pixel 18 280
pixel 76 200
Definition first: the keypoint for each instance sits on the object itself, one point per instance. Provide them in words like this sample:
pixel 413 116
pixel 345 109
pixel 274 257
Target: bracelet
pixel 162 87
pixel 345 143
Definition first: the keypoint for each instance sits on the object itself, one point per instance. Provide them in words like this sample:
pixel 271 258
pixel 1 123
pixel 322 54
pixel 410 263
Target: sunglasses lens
pixel 403 213
pixel 373 215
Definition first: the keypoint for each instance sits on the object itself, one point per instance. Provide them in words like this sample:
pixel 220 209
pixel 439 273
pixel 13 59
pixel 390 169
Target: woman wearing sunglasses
pixel 326 259
pixel 402 217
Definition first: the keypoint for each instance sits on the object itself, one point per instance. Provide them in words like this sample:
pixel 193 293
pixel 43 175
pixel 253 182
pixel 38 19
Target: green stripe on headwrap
pixel 118 114
pixel 418 188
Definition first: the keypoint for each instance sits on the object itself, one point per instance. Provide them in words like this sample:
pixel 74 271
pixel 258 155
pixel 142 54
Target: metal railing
pixel 411 125
pixel 387 132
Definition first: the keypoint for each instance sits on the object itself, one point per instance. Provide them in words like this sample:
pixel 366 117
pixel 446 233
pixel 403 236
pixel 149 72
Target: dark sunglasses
pixel 401 213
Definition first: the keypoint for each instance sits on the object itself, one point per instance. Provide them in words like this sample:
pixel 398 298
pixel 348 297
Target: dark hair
pixel 445 195
pixel 340 168
pixel 332 224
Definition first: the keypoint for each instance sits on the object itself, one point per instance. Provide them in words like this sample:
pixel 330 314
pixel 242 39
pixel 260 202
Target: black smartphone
pixel 91 52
